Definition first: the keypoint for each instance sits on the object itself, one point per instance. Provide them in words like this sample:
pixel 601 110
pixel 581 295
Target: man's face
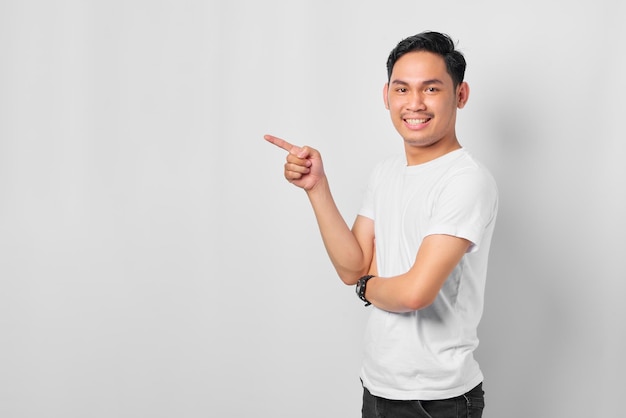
pixel 422 101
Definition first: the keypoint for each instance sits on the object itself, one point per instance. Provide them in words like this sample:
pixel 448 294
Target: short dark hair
pixel 437 43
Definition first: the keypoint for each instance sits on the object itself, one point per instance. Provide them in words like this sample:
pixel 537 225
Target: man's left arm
pixel 416 289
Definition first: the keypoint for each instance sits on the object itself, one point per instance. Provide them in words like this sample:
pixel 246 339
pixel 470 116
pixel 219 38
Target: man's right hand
pixel 304 166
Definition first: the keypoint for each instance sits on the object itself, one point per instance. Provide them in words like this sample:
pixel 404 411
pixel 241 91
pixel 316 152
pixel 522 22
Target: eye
pixel 401 90
pixel 432 89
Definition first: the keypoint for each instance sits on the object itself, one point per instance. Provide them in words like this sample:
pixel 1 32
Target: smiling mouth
pixel 416 121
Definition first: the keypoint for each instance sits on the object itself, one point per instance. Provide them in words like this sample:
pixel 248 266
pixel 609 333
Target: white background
pixel 154 262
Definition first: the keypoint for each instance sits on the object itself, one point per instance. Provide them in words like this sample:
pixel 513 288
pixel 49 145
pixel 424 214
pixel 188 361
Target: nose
pixel 415 101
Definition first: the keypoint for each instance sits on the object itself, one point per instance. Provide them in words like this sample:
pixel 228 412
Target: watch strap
pixel 361 286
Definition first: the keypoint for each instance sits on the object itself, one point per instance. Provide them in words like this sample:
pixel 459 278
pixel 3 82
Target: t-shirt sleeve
pixel 465 206
pixel 367 206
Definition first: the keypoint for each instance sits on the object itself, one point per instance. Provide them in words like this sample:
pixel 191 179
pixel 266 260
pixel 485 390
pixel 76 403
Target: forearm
pixel 397 294
pixel 342 246
pixel 418 288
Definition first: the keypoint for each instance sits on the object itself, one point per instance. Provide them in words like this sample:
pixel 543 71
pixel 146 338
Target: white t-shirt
pixel 428 354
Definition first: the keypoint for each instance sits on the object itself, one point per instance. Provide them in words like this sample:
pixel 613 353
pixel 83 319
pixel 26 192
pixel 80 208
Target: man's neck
pixel 416 155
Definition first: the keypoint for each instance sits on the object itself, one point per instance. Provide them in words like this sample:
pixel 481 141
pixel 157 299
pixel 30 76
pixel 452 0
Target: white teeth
pixel 416 121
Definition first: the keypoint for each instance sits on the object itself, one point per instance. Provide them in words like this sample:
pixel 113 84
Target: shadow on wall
pixel 527 333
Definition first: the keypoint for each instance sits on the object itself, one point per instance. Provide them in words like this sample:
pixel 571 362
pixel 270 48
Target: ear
pixel 462 95
pixel 386 95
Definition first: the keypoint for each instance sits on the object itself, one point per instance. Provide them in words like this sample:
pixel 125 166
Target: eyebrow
pixel 425 82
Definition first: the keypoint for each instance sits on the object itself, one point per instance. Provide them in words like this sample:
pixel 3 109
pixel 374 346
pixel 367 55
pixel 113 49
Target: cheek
pixel 395 106
pixel 442 106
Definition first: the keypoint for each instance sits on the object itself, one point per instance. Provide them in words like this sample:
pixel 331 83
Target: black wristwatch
pixel 360 288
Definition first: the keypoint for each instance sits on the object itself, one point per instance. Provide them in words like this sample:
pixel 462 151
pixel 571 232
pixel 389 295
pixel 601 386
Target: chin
pixel 420 142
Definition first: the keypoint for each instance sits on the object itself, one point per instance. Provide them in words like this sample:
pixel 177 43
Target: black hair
pixel 437 43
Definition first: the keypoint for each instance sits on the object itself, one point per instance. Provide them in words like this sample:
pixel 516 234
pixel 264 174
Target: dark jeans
pixel 469 405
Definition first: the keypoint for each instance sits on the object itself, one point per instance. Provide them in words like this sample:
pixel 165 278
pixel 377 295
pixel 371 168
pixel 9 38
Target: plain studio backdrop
pixel 155 263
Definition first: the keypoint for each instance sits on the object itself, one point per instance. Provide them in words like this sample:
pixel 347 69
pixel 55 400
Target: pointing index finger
pixel 281 143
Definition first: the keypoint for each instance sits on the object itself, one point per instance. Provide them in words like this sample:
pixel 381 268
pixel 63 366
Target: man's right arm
pixel 350 250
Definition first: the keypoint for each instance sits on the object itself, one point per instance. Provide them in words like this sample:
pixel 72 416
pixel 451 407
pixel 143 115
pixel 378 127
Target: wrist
pixel 319 187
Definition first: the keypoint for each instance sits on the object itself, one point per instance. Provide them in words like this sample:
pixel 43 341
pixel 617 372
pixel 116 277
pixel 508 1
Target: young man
pixel 418 248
